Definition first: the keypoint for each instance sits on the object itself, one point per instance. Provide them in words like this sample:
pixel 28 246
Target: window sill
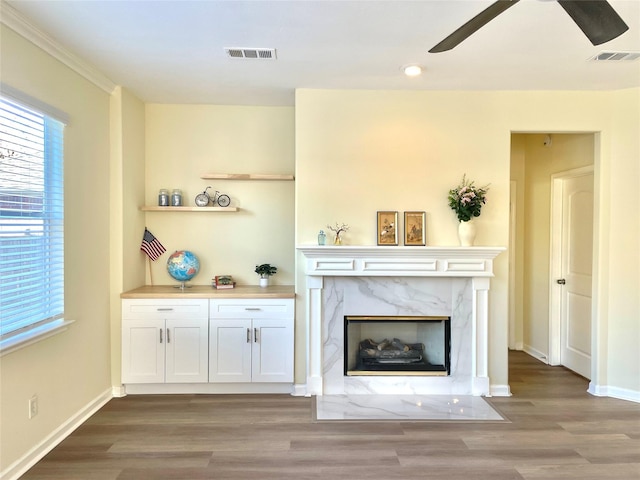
pixel 21 340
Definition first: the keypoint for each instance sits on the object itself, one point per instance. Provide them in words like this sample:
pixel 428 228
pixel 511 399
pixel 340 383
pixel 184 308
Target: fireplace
pixel 396 345
pixel 346 281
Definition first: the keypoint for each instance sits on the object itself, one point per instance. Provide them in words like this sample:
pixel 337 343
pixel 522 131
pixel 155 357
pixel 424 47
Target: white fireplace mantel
pixel 475 263
pixel 400 261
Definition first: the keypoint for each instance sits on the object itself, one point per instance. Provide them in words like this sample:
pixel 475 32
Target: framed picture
pixel 387 228
pixel 415 228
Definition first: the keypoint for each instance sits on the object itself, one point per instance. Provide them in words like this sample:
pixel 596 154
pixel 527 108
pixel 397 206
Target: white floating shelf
pixel 246 176
pixel 155 208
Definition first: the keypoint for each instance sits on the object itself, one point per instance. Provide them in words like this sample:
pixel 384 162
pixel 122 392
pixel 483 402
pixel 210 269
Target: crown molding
pixel 10 17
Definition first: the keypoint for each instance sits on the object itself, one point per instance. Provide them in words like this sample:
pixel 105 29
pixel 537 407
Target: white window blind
pixel 31 218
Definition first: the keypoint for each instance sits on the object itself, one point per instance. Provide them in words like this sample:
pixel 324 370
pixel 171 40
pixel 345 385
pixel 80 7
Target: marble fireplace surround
pixel 380 280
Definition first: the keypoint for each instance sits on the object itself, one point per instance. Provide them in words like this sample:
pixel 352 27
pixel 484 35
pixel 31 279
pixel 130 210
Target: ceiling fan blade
pixel 473 25
pixel 596 18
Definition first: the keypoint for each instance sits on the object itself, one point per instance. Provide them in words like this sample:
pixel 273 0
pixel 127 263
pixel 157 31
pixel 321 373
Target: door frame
pixel 555 264
pixel 515 321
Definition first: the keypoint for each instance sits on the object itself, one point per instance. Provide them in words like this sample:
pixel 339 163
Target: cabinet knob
pixel 168 336
pixel 160 335
pixel 168 309
pixel 255 335
pixel 252 309
pixel 248 335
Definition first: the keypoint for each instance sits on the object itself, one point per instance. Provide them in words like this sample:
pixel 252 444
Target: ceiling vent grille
pixel 616 57
pixel 251 53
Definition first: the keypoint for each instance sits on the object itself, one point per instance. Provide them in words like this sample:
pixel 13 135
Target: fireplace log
pixel 368 343
pixel 399 345
pixel 395 351
pixel 395 344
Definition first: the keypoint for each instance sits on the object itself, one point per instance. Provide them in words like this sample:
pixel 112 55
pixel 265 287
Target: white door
pixel 272 355
pixel 230 350
pixel 573 281
pixel 187 343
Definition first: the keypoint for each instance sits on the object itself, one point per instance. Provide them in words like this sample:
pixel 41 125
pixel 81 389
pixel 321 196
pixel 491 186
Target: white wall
pixel 70 370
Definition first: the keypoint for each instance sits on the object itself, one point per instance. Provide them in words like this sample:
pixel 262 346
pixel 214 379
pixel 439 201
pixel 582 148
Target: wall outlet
pixel 33 406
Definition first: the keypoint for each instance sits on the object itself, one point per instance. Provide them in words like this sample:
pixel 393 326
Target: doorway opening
pixel 536 159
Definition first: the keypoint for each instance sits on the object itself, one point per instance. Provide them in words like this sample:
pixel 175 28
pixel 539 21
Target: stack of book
pixel 223 281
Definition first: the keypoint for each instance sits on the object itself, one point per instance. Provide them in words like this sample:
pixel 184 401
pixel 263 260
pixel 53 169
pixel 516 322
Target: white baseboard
pixel 119 391
pixel 500 390
pixel 207 388
pixel 20 466
pixel 538 355
pixel 299 390
pixel 614 392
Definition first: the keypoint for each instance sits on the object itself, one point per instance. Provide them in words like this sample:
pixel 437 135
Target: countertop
pixel 205 291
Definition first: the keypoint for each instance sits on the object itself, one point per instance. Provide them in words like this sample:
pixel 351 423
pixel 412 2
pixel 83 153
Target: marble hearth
pixel 431 281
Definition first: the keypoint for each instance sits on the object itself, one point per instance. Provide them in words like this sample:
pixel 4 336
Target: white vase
pixel 466 233
pixel 264 282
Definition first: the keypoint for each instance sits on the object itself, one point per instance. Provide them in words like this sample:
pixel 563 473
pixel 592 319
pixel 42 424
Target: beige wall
pixel 516 249
pixel 70 370
pixel 363 151
pixel 183 142
pixel 127 221
pixel 359 152
pixel 621 268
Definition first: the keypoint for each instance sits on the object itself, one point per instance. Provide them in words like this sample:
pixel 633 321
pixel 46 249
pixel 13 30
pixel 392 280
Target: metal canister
pixel 163 197
pixel 176 197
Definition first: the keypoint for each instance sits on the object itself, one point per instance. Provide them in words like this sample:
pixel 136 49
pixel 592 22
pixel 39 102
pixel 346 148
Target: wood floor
pixel 557 431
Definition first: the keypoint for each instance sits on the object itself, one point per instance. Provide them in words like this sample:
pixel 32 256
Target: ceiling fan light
pixel 412 70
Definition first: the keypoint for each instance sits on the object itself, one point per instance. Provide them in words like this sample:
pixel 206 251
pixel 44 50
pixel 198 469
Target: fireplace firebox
pixel 397 345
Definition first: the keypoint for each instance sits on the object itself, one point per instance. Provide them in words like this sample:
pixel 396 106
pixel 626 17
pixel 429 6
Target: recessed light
pixel 412 70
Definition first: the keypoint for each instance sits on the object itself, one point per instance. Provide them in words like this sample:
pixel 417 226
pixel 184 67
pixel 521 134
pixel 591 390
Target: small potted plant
pixel 265 271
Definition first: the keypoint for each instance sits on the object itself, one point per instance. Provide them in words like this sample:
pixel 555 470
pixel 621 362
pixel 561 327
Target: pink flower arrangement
pixel 467 199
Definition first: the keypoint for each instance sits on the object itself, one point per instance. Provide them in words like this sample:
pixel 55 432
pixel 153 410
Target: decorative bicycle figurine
pixel 203 199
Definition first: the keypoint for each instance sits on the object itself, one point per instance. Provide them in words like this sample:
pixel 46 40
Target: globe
pixel 183 265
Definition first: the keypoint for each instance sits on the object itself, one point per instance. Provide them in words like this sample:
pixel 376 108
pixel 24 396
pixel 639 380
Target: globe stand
pixel 182 286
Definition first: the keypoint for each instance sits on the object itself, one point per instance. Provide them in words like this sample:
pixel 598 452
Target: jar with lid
pixel 176 198
pixel 163 197
pixel 322 237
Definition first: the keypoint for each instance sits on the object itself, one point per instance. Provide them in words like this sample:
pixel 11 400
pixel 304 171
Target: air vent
pixel 251 53
pixel 615 56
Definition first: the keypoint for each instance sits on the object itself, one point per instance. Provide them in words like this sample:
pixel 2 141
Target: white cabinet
pixel 251 340
pixel 164 341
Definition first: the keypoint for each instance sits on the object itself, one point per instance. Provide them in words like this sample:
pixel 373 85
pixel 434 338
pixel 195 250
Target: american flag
pixel 151 246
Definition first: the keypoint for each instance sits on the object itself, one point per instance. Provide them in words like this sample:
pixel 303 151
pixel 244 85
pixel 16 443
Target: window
pixel 31 220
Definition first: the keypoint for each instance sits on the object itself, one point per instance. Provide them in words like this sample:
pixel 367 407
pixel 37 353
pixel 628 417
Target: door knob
pixel 561 281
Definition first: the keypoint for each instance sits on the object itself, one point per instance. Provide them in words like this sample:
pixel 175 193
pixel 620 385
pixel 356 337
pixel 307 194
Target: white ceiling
pixel 173 51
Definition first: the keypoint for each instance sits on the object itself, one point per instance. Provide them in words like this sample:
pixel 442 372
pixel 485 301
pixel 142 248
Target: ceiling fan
pixel 596 18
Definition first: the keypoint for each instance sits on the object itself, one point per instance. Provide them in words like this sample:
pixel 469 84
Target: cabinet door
pixel 143 351
pixel 186 351
pixel 272 353
pixel 230 350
